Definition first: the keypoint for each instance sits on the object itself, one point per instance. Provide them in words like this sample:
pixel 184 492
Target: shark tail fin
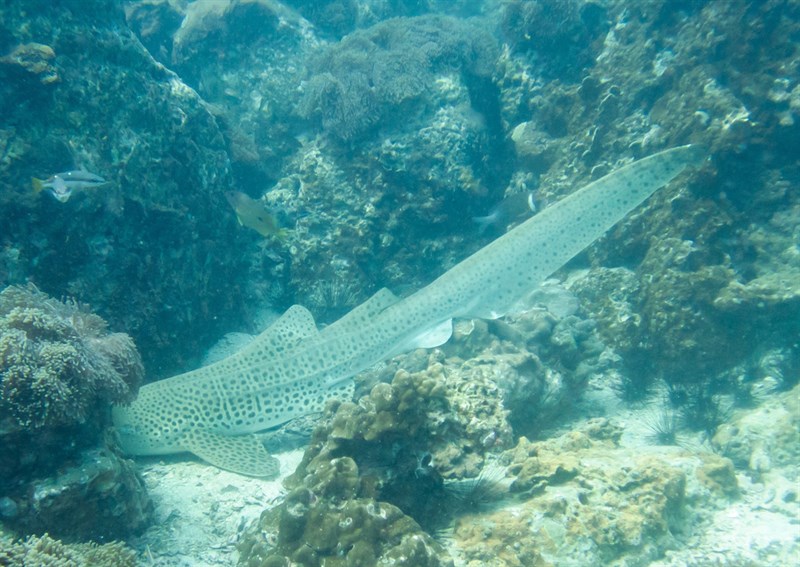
pixel 38 185
pixel 242 454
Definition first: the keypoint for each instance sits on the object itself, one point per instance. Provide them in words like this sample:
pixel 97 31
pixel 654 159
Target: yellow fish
pixel 253 214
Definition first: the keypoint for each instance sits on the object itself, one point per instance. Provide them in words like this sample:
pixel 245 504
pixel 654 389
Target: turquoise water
pixel 641 409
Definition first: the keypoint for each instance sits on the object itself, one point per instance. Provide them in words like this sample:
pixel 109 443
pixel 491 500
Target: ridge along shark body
pixel 292 369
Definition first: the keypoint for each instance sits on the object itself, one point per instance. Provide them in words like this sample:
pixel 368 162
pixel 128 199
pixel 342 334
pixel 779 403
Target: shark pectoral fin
pixel 240 454
pixel 433 337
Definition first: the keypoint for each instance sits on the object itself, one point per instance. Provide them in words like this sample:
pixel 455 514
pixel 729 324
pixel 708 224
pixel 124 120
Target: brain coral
pixel 58 362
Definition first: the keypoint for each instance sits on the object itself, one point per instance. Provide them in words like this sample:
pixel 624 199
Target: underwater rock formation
pixel 95 496
pixel 362 80
pixel 562 33
pixel 61 370
pixel 332 512
pixel 116 112
pixel 581 498
pixel 334 526
pixel 766 438
pixel 450 113
pixel 565 352
pixel 356 495
pixel 433 110
pixel 719 258
pixel 244 59
pixel 701 292
pixel 428 432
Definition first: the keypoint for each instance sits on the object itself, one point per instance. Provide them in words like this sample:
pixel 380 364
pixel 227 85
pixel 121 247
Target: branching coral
pixel 57 361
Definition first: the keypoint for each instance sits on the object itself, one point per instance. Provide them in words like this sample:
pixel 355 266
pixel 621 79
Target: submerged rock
pixel 581 499
pixel 97 497
pixel 765 438
pixel 82 92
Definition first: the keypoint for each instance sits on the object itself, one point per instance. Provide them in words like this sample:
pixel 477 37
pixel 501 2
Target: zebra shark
pixel 292 368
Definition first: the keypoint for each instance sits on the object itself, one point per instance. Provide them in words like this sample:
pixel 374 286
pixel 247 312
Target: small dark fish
pixel 514 207
pixel 63 185
pixel 253 214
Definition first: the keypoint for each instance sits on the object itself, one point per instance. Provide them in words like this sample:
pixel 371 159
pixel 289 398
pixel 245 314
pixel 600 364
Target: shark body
pixel 292 369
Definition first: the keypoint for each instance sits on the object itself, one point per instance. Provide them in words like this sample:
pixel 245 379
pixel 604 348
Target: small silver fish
pixel 62 185
pixel 515 207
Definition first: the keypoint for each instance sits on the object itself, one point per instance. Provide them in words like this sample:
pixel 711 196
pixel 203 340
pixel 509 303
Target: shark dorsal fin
pixel 373 306
pixel 295 325
pixel 288 331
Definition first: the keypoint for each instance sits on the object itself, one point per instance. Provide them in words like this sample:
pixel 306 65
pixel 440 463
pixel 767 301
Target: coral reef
pixel 362 80
pixel 419 449
pixel 337 528
pixel 45 551
pixel 703 302
pixel 404 129
pixel 357 493
pixel 118 113
pixel 329 517
pixel 242 58
pixel 34 59
pixel 765 438
pixel 582 498
pixel 61 370
pixel 640 519
pixel 58 363
pixel 95 496
pixel 334 17
pixel 560 32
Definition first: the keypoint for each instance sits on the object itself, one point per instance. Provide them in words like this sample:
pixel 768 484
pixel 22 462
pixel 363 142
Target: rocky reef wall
pixel 373 132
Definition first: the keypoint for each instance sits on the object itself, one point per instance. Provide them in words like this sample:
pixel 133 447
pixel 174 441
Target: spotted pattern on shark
pixel 292 368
